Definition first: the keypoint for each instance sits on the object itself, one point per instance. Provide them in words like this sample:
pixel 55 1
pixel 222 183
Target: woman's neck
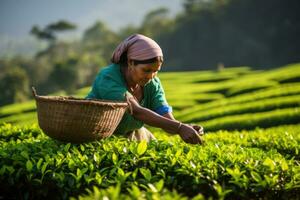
pixel 128 78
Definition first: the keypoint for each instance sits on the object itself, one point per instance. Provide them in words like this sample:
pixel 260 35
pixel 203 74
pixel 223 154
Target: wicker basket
pixel 77 120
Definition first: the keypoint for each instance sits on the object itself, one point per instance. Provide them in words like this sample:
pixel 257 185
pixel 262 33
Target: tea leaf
pixel 146 173
pixel 44 167
pixel 121 172
pixel 25 154
pixel 82 148
pixel 269 163
pixel 29 165
pixel 135 191
pixel 67 147
pixel 159 185
pixel 142 147
pixel 151 186
pixel 38 165
pixel 115 158
pixel 255 176
pixel 284 165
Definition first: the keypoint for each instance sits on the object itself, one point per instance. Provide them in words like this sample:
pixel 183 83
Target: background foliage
pixel 206 35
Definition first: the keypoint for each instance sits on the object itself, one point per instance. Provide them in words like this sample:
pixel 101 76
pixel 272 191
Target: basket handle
pixel 34 92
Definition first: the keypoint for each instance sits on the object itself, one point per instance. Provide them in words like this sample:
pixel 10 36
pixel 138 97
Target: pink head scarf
pixel 138 47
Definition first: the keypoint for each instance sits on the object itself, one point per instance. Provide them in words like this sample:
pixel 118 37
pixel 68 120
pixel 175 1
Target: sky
pixel 18 16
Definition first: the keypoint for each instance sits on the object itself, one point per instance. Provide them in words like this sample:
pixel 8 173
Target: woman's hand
pixel 198 128
pixel 189 134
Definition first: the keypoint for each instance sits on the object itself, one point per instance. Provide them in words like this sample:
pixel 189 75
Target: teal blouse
pixel 110 85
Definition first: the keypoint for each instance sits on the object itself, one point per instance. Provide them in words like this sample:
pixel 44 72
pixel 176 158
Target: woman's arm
pixel 186 132
pixel 169 116
pixel 198 128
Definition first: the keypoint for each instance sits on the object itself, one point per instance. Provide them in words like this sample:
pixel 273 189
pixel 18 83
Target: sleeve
pixel 164 109
pixel 159 103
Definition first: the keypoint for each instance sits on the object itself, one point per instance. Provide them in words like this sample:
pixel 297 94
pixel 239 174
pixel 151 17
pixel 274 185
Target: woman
pixel 132 77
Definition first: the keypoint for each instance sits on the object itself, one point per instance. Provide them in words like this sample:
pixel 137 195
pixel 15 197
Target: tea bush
pixel 242 158
pixel 252 120
pixel 278 91
pixel 250 107
pixel 231 166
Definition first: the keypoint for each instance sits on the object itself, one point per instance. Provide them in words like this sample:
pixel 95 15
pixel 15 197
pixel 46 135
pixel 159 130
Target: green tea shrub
pixel 243 108
pixel 252 120
pixel 35 166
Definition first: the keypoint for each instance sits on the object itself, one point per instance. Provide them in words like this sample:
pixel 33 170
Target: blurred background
pixel 61 45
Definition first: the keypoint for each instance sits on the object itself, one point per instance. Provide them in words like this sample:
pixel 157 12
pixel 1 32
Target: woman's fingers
pixel 198 128
pixel 190 135
pixel 196 138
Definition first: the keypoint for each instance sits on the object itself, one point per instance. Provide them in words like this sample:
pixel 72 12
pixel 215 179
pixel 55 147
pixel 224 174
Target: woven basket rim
pixel 73 100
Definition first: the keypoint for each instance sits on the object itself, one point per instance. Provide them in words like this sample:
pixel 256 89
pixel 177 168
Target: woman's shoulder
pixel 110 69
pixel 110 76
pixel 155 82
pixel 156 79
pixel 153 85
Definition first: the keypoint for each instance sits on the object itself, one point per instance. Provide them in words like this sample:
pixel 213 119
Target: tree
pixel 99 38
pixel 48 33
pixel 127 30
pixel 156 23
pixel 64 76
pixel 14 86
pixel 259 34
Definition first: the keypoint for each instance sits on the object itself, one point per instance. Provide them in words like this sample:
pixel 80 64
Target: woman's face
pixel 142 74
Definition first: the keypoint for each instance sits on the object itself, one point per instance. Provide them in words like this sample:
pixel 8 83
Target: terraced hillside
pixel 234 98
pixel 252 121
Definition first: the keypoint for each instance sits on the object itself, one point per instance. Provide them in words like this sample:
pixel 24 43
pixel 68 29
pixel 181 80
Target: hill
pixel 232 98
pixel 251 146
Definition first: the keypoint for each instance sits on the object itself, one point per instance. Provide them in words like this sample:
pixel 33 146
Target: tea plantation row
pixel 240 159
pixel 260 163
pixel 207 95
